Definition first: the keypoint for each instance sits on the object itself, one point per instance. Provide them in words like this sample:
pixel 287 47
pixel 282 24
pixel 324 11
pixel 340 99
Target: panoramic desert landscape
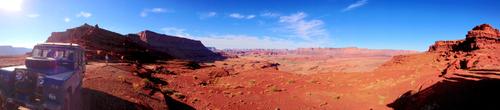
pixel 309 78
pixel 249 55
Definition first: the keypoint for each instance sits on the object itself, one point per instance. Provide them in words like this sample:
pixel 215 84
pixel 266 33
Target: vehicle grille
pixel 28 90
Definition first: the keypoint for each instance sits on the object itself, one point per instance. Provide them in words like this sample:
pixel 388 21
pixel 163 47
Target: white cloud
pixel 241 16
pixel 236 15
pixel 84 14
pixel 66 19
pixel 228 41
pixel 250 16
pixel 270 14
pixel 33 15
pixel 158 10
pixel 252 42
pixel 176 32
pixel 305 29
pixel 146 12
pixel 208 15
pixel 355 5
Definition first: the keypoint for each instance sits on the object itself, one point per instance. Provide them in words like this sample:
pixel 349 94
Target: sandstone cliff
pixel 145 46
pixel 178 47
pixel 480 50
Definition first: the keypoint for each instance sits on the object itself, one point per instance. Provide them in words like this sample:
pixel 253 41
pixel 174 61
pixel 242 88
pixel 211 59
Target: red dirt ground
pixel 443 78
pixel 255 83
pixel 11 60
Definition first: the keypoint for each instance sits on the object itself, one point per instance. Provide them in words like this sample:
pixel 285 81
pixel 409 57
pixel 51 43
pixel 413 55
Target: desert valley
pixel 152 71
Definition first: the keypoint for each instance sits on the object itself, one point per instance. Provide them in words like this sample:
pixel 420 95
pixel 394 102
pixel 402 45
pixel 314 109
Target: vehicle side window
pixel 59 55
pixel 70 55
pixel 37 53
pixel 45 53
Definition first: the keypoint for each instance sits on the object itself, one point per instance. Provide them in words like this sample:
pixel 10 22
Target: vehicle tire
pixel 3 102
pixel 4 105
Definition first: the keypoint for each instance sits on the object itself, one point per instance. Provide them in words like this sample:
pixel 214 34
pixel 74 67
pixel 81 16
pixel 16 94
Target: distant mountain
pixel 334 52
pixel 9 50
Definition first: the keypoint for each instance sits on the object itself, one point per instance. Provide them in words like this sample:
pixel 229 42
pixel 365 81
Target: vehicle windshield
pixel 58 54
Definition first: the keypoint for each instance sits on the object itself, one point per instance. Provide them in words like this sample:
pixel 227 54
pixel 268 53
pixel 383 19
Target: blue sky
pixel 378 24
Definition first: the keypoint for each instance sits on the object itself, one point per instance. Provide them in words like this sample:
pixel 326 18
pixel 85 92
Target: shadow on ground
pixel 453 94
pixel 176 105
pixel 97 100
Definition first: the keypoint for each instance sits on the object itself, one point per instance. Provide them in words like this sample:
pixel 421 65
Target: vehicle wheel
pixel 4 105
pixel 3 102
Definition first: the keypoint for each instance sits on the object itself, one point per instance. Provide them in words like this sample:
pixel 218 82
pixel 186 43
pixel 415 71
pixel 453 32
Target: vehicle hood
pixel 12 68
pixel 59 74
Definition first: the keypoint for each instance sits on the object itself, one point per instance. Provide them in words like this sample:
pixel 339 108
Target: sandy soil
pixel 315 65
pixel 243 84
pixel 11 60
pixel 251 83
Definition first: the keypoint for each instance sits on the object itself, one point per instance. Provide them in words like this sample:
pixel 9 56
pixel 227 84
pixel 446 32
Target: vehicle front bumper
pixel 43 106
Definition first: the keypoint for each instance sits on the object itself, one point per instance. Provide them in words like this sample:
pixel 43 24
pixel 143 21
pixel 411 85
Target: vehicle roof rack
pixel 61 44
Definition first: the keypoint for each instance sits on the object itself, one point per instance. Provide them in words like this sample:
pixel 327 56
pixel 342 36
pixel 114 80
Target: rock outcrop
pixel 178 47
pixel 145 46
pixel 100 42
pixel 481 37
pixel 480 50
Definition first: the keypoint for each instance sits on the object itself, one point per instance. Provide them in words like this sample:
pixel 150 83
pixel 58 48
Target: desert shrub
pixel 122 79
pixel 193 65
pixel 227 86
pixel 137 87
pixel 163 70
pixel 168 72
pixel 203 83
pixel 179 95
pixel 145 80
pixel 147 83
pixel 195 100
pixel 309 93
pixel 275 89
pixel 252 81
pixel 313 81
pixel 167 90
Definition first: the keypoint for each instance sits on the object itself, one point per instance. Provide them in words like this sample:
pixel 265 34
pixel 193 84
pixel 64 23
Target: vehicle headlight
pixel 20 74
pixel 52 96
pixel 41 80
